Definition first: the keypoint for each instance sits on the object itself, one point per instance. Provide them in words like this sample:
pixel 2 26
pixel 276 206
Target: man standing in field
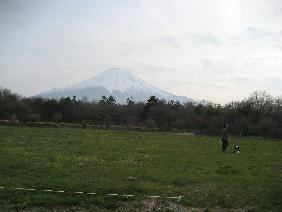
pixel 224 137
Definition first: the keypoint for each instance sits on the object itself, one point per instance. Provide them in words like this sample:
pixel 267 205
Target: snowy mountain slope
pixel 120 83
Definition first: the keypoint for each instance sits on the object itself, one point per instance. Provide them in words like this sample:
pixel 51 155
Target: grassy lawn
pixel 137 163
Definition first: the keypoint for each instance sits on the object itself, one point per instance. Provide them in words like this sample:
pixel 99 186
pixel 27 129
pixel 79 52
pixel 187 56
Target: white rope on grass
pixel 127 195
pixel 89 193
pixel 18 188
pixel 29 189
pixel 78 192
pixel 112 194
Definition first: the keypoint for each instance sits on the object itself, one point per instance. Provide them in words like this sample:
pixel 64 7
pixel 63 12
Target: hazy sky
pixel 220 50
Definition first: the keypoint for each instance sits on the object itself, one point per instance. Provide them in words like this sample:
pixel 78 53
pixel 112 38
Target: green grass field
pixel 137 163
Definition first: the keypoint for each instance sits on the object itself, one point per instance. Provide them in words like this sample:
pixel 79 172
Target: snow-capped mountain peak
pixel 115 79
pixel 120 83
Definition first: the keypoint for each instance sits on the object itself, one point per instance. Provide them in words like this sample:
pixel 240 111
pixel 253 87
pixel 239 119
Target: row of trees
pixel 258 115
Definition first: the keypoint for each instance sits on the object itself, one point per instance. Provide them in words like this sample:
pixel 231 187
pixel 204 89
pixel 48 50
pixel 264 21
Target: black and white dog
pixel 236 149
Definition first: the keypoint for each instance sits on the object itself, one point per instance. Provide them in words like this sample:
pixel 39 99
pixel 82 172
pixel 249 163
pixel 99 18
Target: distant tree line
pixel 258 115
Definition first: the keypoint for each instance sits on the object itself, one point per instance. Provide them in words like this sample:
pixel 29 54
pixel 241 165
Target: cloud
pixel 182 40
pixel 173 41
pixel 254 33
pixel 274 85
pixel 206 38
pixel 2 51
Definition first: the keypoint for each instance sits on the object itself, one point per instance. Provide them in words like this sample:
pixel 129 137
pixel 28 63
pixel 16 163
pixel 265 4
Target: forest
pixel 260 114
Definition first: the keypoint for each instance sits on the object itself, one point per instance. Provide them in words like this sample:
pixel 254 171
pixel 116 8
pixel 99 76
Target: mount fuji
pixel 120 83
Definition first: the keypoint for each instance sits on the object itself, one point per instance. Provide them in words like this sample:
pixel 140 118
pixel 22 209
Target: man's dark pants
pixel 224 144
